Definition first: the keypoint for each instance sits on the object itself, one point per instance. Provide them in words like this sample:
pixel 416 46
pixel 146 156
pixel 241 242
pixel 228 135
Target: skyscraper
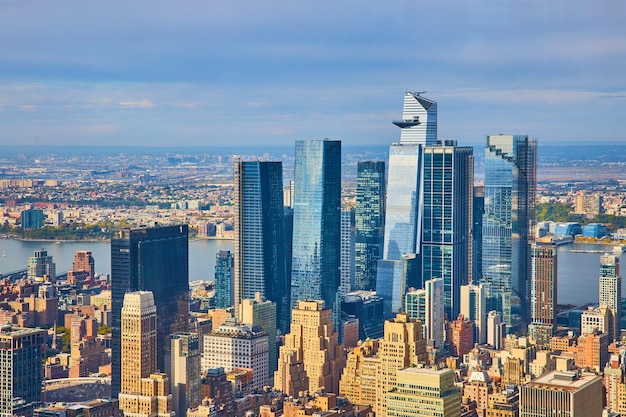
pixel 478 209
pixel 474 308
pixel 182 365
pixel 224 285
pixel 427 306
pixel 510 164
pixel 403 213
pixel 20 369
pixel 150 259
pixel 313 343
pixel 611 292
pixel 369 222
pixel 347 261
pixel 316 222
pixel 144 391
pixel 260 236
pixel 448 181
pixel 543 290
pixel 41 266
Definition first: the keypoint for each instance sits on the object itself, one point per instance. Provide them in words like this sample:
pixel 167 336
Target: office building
pixel 316 223
pixel 510 182
pixel 478 209
pixel 150 259
pixel 614 383
pixel 425 392
pixel 20 369
pixel 260 236
pixel 369 222
pixel 562 394
pixel 32 219
pixel 362 371
pixel 367 307
pixel 473 306
pixel 403 345
pixel 427 306
pixel 233 345
pixel 262 312
pixel 611 292
pixel 313 343
pixel 543 292
pixel 83 268
pixel 224 282
pixel 588 204
pixel 496 329
pixel 448 179
pixel 347 249
pixel 593 351
pixel 41 266
pixel 182 366
pixel 143 391
pixel 403 213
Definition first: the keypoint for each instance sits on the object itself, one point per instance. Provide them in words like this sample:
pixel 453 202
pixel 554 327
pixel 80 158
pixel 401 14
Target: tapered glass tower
pixel 510 182
pixel 260 236
pixel 404 195
pixel 316 222
pixel 370 222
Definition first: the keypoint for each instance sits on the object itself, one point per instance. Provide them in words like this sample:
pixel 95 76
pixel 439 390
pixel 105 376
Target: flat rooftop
pixel 567 380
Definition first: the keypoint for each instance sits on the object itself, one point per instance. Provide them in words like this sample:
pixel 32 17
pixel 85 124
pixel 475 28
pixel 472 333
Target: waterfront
pixel 578 272
pixel 14 255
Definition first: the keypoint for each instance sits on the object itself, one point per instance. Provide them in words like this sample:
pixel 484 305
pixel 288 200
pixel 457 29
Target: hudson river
pixel 577 272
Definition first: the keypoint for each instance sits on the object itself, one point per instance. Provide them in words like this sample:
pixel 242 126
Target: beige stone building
pixel 316 345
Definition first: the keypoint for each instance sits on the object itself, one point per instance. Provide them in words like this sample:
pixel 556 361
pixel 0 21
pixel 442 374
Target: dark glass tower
pixel 260 236
pixel 316 222
pixel 224 287
pixel 448 179
pixel 370 222
pixel 150 259
pixel 510 166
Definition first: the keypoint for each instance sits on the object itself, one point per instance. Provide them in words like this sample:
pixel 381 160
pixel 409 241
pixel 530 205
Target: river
pixel 14 255
pixel 577 272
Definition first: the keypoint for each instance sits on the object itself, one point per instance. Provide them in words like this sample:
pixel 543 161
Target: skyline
pixel 196 74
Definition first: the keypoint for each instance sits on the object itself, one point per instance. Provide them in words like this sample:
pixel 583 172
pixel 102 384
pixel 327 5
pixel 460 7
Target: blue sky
pixel 235 72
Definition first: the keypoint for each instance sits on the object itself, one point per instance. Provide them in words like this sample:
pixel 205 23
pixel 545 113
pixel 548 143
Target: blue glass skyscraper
pixel 369 222
pixel 224 283
pixel 510 166
pixel 448 177
pixel 404 196
pixel 260 236
pixel 316 222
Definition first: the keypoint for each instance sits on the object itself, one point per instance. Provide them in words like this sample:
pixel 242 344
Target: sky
pixel 235 72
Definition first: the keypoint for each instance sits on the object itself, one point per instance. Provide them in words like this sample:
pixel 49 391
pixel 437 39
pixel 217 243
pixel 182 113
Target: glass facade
pixel 369 222
pixel 347 250
pixel 448 178
pixel 150 259
pixel 260 236
pixel 224 285
pixel 510 164
pixel 316 222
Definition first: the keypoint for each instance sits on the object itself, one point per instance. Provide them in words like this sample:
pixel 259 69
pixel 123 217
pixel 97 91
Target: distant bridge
pixel 14 275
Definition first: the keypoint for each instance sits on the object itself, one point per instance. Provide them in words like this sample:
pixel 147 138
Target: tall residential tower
pixel 260 236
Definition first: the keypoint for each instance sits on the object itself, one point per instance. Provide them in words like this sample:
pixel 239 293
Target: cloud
pixel 143 104
pixel 531 96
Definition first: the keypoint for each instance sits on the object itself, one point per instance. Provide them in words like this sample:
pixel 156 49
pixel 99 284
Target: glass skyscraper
pixel 369 222
pixel 150 259
pixel 404 195
pixel 260 236
pixel 347 262
pixel 224 286
pixel 448 180
pixel 510 166
pixel 316 222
